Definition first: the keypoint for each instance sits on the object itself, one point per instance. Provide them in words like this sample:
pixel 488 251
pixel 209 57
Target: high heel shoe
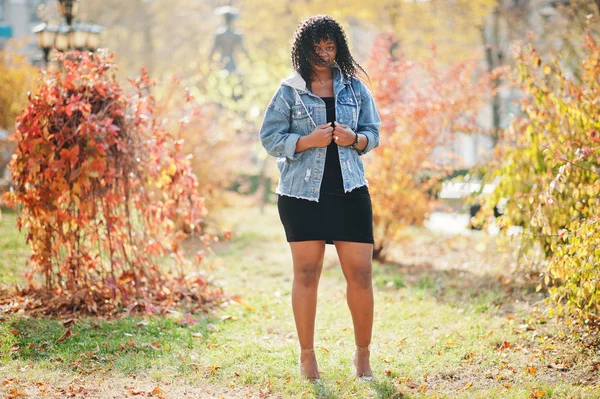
pixel 368 376
pixel 311 376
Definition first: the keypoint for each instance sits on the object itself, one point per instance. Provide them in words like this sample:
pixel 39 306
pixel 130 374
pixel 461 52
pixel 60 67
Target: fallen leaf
pixel 15 393
pixel 188 320
pixel 68 323
pixel 504 345
pixel 212 369
pixel 156 391
pixel 558 366
pixel 155 345
pixel 530 370
pixel 65 335
pixel 133 392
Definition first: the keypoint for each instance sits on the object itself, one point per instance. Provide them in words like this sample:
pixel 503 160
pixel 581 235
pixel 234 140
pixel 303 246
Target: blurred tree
pixel 549 162
pixel 422 106
pixel 16 79
pixel 558 27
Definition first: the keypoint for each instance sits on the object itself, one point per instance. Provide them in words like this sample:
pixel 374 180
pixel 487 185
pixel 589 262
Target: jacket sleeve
pixel 368 119
pixel 275 134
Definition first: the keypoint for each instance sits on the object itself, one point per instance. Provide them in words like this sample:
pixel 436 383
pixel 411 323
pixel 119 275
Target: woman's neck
pixel 322 75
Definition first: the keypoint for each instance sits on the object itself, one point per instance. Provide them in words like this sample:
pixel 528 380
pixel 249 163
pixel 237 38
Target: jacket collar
pixel 296 81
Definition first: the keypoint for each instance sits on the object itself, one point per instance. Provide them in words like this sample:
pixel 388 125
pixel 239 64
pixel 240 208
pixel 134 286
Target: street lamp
pixel 93 37
pixel 78 36
pixel 67 36
pixel 45 34
pixel 61 42
pixel 68 10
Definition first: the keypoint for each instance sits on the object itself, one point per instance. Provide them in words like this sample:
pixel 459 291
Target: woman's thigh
pixel 308 258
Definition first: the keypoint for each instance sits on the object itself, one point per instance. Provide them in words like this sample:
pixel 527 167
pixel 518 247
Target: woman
pixel 318 123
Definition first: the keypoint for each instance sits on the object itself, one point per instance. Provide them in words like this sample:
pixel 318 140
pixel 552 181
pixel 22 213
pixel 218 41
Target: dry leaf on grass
pixel 65 335
pixel 504 345
pixel 530 369
pixel 15 393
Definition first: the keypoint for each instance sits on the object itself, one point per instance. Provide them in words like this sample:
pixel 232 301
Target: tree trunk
pixel 494 58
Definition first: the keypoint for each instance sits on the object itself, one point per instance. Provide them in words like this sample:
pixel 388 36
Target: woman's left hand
pixel 343 135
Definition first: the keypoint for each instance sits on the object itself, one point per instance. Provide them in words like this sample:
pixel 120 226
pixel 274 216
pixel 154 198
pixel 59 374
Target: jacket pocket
pixel 301 120
pixel 347 111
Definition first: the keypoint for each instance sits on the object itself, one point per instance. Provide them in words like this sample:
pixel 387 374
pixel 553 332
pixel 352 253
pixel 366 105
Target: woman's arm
pixel 275 134
pixel 368 121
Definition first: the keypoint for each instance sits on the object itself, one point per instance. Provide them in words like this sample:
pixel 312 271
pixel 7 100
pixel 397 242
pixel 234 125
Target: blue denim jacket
pixel 294 111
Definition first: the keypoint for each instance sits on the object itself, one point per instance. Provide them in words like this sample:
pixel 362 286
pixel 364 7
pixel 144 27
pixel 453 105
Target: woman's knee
pixel 308 273
pixel 361 277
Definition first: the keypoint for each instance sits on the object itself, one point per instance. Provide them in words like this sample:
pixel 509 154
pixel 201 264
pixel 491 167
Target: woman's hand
pixel 343 135
pixel 321 136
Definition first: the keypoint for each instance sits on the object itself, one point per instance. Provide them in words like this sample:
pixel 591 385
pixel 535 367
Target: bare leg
pixel 356 261
pixel 308 264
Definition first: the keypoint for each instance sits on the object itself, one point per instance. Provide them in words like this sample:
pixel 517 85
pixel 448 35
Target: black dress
pixel 337 215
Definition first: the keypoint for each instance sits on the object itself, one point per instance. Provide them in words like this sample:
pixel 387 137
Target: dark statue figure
pixel 228 39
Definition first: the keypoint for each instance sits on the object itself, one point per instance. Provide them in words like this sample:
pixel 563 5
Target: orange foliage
pixel 421 107
pixel 104 192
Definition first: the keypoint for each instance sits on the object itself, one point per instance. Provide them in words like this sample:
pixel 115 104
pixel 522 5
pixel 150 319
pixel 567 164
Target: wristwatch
pixel 355 144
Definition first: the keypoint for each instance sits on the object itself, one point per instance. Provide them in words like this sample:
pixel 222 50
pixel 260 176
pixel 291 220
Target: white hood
pixel 295 80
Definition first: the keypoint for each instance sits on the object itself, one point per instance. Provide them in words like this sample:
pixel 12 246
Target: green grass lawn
pixel 449 323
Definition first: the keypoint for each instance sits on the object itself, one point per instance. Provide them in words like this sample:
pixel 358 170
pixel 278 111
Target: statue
pixel 228 39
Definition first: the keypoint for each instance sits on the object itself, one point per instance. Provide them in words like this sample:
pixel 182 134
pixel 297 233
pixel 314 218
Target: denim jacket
pixel 294 112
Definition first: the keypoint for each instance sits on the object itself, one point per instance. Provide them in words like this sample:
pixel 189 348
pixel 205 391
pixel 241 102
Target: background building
pixel 17 18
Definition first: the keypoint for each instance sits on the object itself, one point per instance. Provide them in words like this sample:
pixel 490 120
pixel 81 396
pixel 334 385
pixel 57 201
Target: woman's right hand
pixel 321 136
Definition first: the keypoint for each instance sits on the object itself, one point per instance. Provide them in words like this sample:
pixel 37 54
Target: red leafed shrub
pixel 104 192
pixel 422 106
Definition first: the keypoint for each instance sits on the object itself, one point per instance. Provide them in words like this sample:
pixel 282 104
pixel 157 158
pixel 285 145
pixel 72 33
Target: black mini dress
pixel 337 216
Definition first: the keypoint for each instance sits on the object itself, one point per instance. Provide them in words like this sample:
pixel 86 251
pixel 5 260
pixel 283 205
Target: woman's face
pixel 327 50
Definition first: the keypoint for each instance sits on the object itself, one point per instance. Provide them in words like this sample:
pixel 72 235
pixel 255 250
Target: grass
pixel 13 249
pixel 447 325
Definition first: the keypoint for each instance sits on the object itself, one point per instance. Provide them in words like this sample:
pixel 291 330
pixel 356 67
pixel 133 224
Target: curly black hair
pixel 312 30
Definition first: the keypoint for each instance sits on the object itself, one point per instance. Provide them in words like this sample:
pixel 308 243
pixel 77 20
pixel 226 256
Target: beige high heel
pixel 313 377
pixel 368 377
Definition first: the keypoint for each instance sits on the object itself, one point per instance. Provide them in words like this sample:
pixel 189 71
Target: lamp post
pixel 67 36
pixel 68 9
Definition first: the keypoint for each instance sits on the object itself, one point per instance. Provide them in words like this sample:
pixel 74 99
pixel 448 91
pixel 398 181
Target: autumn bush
pixel 105 193
pixel 549 164
pixel 422 106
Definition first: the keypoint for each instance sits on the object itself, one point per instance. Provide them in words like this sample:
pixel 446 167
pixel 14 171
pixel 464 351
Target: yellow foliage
pixel 16 79
pixel 550 166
